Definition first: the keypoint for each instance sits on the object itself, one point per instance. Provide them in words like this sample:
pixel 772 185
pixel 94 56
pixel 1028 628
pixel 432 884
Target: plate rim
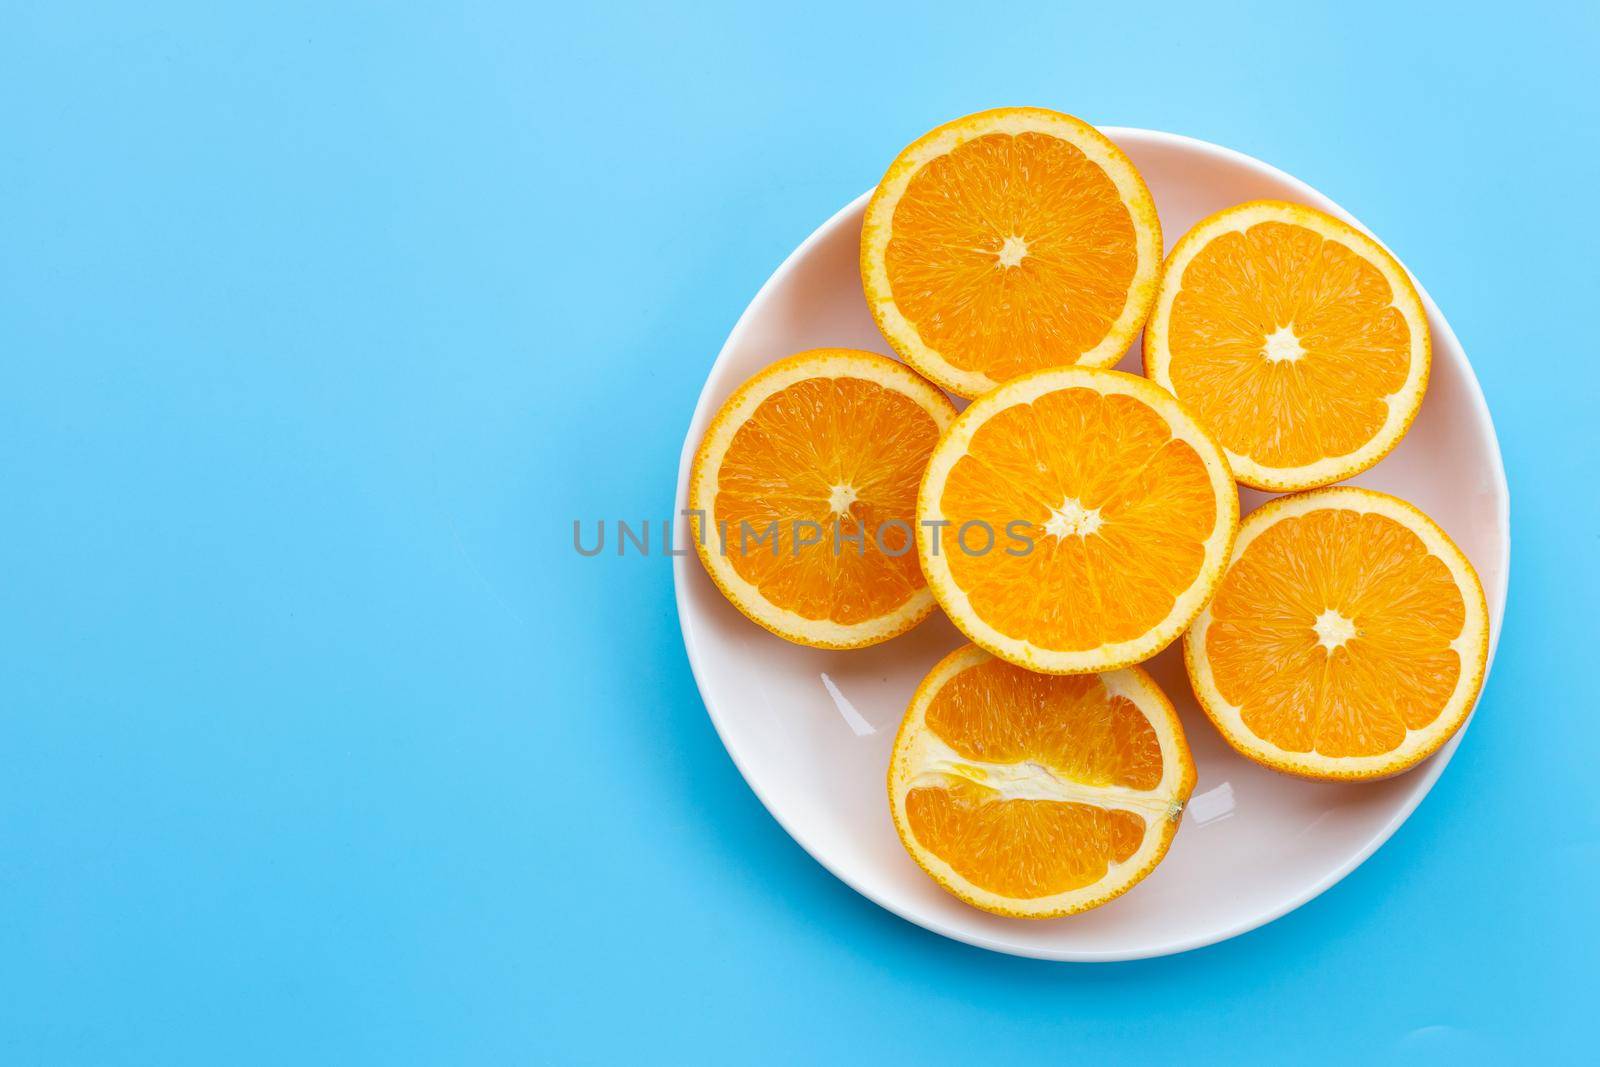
pixel 1429 774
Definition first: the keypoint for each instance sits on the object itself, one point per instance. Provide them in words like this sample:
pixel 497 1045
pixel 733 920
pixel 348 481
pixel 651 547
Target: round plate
pixel 811 730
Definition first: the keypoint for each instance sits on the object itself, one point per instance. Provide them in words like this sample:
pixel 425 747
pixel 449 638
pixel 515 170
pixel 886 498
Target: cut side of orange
pixel 1037 796
pixel 803 494
pixel 1295 338
pixel 1075 520
pixel 1006 242
pixel 1348 639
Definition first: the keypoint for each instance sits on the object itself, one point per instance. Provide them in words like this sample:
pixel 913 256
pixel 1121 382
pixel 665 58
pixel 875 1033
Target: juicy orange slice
pixel 1034 795
pixel 1075 520
pixel 1009 241
pixel 1295 339
pixel 1348 639
pixel 803 494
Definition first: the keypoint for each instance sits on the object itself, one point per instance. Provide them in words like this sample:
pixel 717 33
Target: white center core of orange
pixel 1072 519
pixel 840 497
pixel 1282 346
pixel 1012 251
pixel 1333 629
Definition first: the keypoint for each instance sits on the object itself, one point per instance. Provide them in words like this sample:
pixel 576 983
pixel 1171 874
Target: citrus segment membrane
pixel 1037 795
pixel 1348 637
pixel 806 484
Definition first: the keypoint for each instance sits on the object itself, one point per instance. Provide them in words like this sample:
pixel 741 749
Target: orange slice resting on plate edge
pixel 1075 520
pixel 802 496
pixel 1348 639
pixel 1036 796
pixel 1009 241
pixel 1296 339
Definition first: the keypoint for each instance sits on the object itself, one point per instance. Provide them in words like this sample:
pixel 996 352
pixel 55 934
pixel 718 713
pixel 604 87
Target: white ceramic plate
pixel 811 730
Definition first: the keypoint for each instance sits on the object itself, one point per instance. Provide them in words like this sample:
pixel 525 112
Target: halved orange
pixel 1295 338
pixel 1009 241
pixel 1348 639
pixel 1035 795
pixel 1075 520
pixel 803 494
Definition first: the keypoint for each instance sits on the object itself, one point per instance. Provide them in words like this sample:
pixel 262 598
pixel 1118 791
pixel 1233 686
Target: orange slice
pixel 1033 795
pixel 1295 339
pixel 1348 639
pixel 1111 514
pixel 1009 241
pixel 803 494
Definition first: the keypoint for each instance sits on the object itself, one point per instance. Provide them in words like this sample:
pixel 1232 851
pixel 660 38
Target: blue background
pixel 319 325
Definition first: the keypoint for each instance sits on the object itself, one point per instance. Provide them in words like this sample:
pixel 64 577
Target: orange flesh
pixel 783 466
pixel 1070 451
pixel 1071 728
pixel 950 268
pixel 1393 672
pixel 1354 347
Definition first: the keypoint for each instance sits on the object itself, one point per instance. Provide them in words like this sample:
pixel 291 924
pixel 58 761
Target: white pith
pixel 1072 519
pixel 840 497
pixel 936 762
pixel 1282 346
pixel 1013 251
pixel 1333 629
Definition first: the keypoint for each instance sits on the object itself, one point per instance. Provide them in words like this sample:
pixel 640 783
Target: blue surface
pixel 319 744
